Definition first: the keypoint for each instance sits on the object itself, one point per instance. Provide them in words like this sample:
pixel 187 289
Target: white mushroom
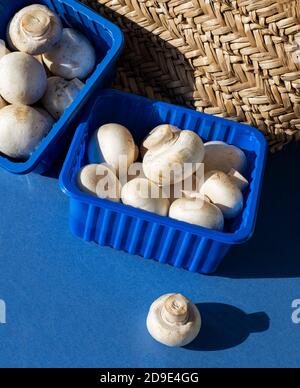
pixel 87 179
pixel 60 94
pixel 238 179
pixel 22 128
pixel 223 157
pixel 135 171
pixel 34 29
pixel 40 59
pixel 22 79
pixel 197 210
pixel 3 49
pixel 173 320
pixel 3 103
pixel 146 195
pixel 99 180
pixel 72 57
pixel 189 186
pixel 115 146
pixel 172 155
pixel 221 191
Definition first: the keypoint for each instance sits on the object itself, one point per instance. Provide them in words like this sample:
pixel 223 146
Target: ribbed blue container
pixel 146 234
pixel 107 40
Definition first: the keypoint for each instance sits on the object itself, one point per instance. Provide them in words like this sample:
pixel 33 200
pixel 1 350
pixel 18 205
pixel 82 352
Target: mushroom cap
pixel 99 180
pixel 22 128
pixel 72 57
pixel 144 194
pixel 23 79
pixel 238 179
pixel 60 94
pixel 223 157
pixel 108 186
pixel 116 146
pixel 173 320
pixel 221 191
pixel 87 179
pixel 197 211
pixel 175 191
pixel 34 29
pixel 172 154
pixel 135 171
pixel 160 135
pixel 3 49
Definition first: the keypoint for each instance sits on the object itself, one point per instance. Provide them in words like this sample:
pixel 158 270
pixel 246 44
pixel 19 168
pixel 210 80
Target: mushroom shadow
pixel 57 165
pixel 225 326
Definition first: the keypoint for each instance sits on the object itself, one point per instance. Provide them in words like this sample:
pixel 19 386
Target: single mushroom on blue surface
pixel 173 320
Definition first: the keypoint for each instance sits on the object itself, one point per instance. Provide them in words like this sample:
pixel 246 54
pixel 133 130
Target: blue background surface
pixel 74 304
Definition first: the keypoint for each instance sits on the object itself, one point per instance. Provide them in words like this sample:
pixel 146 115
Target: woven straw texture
pixel 238 59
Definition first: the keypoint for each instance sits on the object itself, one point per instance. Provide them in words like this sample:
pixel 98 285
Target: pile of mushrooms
pixel 41 73
pixel 156 183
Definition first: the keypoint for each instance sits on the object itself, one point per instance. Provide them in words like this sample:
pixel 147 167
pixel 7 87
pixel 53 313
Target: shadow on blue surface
pixel 58 164
pixel 274 250
pixel 225 326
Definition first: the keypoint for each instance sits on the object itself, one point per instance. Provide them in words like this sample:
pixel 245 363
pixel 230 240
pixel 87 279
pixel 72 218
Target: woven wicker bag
pixel 238 59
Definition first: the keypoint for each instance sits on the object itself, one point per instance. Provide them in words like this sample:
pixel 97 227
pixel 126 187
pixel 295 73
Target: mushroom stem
pixel 175 309
pixel 160 135
pixel 173 155
pixel 173 320
pixel 34 30
pixel 36 23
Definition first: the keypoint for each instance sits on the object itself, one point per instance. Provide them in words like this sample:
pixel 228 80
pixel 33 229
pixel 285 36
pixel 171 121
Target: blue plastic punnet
pixel 143 233
pixel 107 40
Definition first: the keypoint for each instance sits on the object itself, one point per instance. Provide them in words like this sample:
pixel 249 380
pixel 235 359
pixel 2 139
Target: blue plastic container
pixel 146 234
pixel 107 40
